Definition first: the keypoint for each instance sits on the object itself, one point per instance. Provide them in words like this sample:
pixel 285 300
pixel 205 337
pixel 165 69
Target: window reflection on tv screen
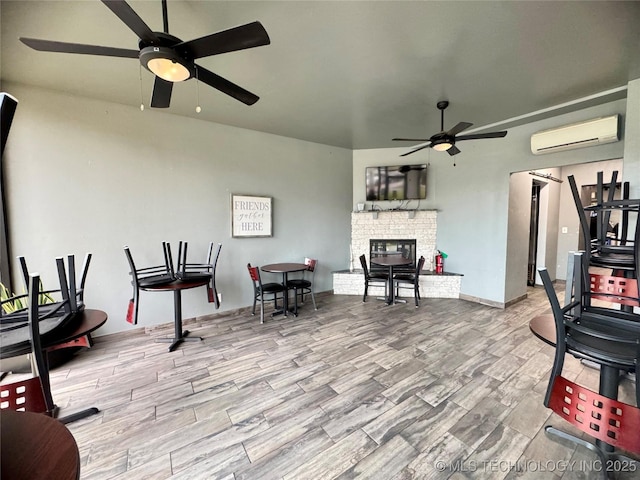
pixel 403 182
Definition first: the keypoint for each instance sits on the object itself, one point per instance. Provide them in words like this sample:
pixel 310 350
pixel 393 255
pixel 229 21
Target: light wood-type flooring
pixel 451 389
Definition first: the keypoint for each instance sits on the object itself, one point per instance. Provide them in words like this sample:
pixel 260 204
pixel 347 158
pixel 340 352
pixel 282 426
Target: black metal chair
pixel 200 271
pixel 410 281
pixel 260 290
pixel 68 282
pixel 302 286
pixel 614 344
pixel 34 393
pixel 373 279
pixel 147 277
pixel 618 251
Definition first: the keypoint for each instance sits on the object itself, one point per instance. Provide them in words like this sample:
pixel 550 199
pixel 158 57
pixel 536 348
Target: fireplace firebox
pixel 405 247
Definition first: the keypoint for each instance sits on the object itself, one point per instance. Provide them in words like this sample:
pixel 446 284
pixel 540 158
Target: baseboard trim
pixel 482 301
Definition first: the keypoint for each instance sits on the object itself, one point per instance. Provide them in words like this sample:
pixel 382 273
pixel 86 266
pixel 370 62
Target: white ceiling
pixel 349 74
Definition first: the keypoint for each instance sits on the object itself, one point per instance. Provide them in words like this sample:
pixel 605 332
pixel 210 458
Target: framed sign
pixel 250 216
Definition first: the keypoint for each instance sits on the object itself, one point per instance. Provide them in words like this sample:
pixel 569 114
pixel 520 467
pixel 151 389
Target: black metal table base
pixel 78 415
pixel 175 341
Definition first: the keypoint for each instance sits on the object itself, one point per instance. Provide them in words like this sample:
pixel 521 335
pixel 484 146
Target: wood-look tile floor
pixel 452 389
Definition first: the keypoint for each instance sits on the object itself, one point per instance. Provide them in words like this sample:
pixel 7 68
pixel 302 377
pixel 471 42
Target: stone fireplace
pixel 394 225
pixel 390 228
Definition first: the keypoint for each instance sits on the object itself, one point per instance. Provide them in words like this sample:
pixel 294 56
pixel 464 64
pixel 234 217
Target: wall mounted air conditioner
pixel 583 134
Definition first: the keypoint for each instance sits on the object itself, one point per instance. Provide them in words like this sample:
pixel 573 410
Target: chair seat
pixel 614 260
pixel 405 277
pixel 272 287
pixel 155 280
pixel 299 283
pixel 194 276
pixel 380 276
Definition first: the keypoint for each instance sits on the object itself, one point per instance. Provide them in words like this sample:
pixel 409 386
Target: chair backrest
pixel 619 290
pixel 363 262
pixel 138 274
pixel 254 273
pixel 75 290
pixel 33 394
pixel 311 264
pixel 603 418
pixel 419 267
pixel 213 261
pixel 168 258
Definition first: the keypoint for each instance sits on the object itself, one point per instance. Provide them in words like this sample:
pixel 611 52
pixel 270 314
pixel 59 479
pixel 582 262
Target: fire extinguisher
pixel 440 256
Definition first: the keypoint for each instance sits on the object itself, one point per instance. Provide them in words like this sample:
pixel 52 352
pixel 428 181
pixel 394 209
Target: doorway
pixel 533 232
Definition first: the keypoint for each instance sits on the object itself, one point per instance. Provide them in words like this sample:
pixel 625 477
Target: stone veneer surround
pixel 395 225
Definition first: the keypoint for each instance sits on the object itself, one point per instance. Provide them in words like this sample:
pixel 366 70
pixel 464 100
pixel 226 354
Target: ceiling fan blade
pixel 416 150
pixel 225 86
pixel 453 150
pixel 476 136
pixel 63 47
pixel 411 139
pixel 161 96
pixel 237 38
pixel 131 19
pixel 458 128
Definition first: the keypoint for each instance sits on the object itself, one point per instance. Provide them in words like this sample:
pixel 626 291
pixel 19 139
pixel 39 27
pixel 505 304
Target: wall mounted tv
pixel 402 182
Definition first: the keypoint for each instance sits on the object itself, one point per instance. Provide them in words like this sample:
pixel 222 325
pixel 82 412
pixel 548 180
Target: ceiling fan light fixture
pixel 442 146
pixel 164 63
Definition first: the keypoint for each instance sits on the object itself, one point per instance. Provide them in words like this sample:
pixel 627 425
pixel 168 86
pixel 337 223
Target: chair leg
pixel 313 298
pixel 416 294
pixel 261 310
pixel 554 432
pixel 255 299
pixel 366 287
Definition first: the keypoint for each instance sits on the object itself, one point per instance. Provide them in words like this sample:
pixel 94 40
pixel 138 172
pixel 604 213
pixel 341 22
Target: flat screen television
pixel 401 182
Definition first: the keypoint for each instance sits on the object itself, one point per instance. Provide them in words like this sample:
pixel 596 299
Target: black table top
pixel 284 267
pixel 34 445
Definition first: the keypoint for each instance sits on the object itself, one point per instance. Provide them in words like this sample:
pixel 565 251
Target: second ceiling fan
pixel 446 140
pixel 168 57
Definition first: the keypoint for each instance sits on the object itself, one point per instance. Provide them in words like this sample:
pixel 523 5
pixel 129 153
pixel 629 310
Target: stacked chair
pixel 609 338
pixel 32 322
pixel 32 394
pixel 604 248
pixel 600 324
pixel 161 275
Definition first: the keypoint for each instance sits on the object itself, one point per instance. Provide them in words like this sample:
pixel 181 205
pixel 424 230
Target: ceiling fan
pixel 168 57
pixel 446 141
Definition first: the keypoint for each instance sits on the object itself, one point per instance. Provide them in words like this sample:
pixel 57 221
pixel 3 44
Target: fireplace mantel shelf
pixel 390 210
pixel 358 271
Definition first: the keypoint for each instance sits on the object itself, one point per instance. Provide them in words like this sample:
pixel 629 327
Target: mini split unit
pixel 583 134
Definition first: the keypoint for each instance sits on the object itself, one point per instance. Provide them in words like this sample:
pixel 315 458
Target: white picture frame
pixel 251 216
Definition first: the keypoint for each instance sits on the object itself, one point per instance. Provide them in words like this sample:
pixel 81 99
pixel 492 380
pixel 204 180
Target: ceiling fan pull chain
pixel 141 98
pixel 198 107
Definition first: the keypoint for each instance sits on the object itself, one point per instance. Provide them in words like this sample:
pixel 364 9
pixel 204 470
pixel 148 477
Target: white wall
pixel 520 185
pixel 85 175
pixel 472 198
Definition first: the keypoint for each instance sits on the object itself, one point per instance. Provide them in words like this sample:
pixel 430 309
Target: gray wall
pixel 85 175
pixel 473 197
pixel 585 174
